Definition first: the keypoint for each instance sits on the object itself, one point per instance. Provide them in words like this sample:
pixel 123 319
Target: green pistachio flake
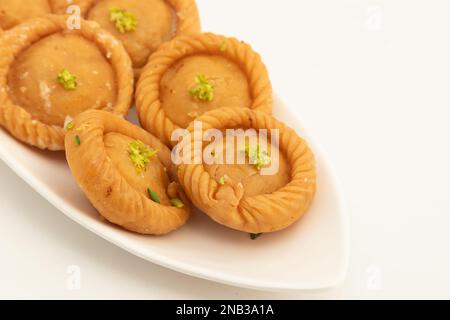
pixel 123 20
pixel 69 126
pixel 153 196
pixel 77 140
pixel 140 154
pixel 255 236
pixel 67 80
pixel 177 203
pixel 203 89
pixel 257 157
pixel 222 180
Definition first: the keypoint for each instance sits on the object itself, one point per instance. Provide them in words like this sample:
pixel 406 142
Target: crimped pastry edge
pixel 16 119
pixel 97 176
pixel 262 213
pixel 186 13
pixel 148 103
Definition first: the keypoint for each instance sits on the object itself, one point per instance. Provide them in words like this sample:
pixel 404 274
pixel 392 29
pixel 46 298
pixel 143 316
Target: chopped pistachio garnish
pixel 68 123
pixel 140 154
pixel 222 180
pixel 213 153
pixel 203 89
pixel 256 156
pixel 177 203
pixel 123 20
pixel 153 196
pixel 77 140
pixel 67 80
pixel 70 126
pixel 255 236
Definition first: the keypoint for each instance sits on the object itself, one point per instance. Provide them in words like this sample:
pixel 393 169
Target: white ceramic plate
pixel 310 255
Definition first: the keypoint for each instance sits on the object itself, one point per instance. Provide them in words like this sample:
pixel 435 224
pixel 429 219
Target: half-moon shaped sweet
pixel 194 74
pixel 143 25
pixel 126 173
pixel 49 74
pixel 241 196
pixel 14 12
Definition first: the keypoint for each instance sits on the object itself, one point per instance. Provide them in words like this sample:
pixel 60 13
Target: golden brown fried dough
pixel 157 21
pixel 237 196
pixel 48 74
pixel 231 87
pixel 33 84
pixel 194 74
pixel 14 12
pixel 248 174
pixel 61 6
pixel 98 153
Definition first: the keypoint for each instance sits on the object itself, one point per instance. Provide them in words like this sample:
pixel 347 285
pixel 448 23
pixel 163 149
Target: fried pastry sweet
pixel 239 196
pixel 14 12
pixel 194 74
pixel 126 173
pixel 143 25
pixel 49 74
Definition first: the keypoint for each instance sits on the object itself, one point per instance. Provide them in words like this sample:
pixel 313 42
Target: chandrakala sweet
pixel 49 74
pixel 268 191
pixel 143 25
pixel 126 173
pixel 194 74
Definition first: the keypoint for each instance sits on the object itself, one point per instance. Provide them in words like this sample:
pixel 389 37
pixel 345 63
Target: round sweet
pixel 231 88
pixel 154 25
pixel 239 196
pixel 144 199
pixel 155 21
pixel 247 174
pixel 194 74
pixel 33 83
pixel 14 12
pixel 48 73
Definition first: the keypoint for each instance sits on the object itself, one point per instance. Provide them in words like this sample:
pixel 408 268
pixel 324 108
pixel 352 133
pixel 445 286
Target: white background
pixel 371 79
